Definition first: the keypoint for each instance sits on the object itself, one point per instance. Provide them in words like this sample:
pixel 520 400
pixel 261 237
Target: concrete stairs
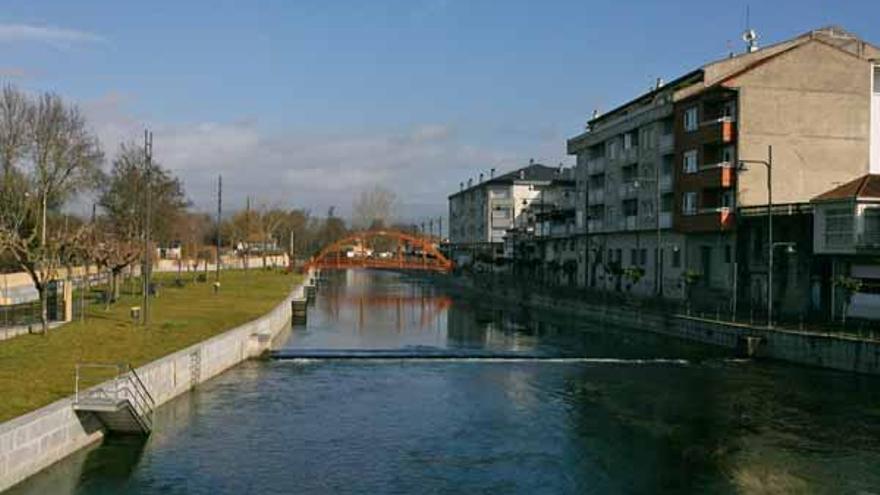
pixel 122 404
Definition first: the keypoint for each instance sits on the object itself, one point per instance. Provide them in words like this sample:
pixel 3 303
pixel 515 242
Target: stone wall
pixel 40 438
pixel 832 351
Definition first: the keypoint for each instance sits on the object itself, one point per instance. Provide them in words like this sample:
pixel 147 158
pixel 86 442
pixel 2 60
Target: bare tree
pixel 58 157
pixel 374 208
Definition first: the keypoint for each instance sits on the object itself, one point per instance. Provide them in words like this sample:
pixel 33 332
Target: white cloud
pixel 58 37
pixel 422 164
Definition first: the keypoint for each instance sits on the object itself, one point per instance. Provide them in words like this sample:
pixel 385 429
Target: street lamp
pixel 769 164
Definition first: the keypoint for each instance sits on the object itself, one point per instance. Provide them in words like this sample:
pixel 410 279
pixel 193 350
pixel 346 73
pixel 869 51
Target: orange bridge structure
pixel 382 249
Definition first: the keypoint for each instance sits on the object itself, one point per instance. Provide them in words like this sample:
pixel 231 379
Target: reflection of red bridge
pixel 382 249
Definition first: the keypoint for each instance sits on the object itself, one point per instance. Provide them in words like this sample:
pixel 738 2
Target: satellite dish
pixel 751 39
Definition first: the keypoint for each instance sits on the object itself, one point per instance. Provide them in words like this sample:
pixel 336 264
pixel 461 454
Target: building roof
pixel 866 186
pixel 534 172
pixel 723 69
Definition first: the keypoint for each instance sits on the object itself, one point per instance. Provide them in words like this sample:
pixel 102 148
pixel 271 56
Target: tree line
pixel 52 160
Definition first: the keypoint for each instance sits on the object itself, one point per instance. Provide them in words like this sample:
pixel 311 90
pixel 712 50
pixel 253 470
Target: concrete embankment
pixel 40 438
pixel 839 352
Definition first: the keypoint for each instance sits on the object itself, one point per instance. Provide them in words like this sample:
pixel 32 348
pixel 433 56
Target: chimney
pixel 531 161
pixel 461 186
pixel 522 174
pixel 492 173
pixel 659 84
pixel 481 177
pixel 470 182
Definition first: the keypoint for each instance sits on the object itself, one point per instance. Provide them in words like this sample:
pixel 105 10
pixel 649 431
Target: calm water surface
pixel 630 421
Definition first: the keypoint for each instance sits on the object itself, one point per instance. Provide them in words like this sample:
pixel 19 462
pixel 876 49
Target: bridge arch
pixel 406 252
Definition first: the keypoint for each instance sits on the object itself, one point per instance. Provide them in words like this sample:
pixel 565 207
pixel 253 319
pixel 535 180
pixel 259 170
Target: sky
pixel 307 103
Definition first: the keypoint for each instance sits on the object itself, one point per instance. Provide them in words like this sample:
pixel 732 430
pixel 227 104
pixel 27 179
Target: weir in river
pixel 394 385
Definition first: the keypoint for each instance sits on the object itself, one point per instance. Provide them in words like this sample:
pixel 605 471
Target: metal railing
pixel 124 385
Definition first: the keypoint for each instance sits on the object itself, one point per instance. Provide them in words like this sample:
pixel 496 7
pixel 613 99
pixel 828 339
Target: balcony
pixel 665 220
pixel 722 130
pixel 867 241
pixel 596 196
pixel 594 226
pixel 629 223
pixel 666 183
pixel 713 175
pixel 629 190
pixel 596 165
pixel 667 143
pixel 711 219
pixel 630 155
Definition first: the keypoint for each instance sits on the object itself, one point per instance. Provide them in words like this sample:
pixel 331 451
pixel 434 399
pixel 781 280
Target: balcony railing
pixel 869 239
pixel 667 142
pixel 666 182
pixel 629 223
pixel 717 165
pixel 665 220
pixel 594 226
pixel 596 196
pixel 629 189
pixel 596 165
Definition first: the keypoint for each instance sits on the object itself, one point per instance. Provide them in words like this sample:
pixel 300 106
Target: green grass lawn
pixel 36 370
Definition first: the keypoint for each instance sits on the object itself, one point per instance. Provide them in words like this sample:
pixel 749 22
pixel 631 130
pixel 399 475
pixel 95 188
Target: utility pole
pixel 440 228
pixel 247 231
pixel 219 213
pixel 769 164
pixel 145 273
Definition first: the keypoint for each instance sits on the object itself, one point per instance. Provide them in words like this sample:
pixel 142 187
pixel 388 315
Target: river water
pixel 641 414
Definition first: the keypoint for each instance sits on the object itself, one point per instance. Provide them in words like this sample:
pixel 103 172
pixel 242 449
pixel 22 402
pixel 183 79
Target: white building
pixel 481 214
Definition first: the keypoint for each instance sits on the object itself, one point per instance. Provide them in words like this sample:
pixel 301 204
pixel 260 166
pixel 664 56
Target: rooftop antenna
pixel 750 36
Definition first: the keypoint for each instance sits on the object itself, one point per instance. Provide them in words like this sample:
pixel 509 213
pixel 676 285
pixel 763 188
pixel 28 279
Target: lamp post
pixel 769 164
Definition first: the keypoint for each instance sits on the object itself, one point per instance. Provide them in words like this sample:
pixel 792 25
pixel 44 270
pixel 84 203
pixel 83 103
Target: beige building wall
pixel 812 104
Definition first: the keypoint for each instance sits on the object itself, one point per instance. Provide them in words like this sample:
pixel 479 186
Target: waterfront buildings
pixel 676 151
pixel 674 185
pixel 481 213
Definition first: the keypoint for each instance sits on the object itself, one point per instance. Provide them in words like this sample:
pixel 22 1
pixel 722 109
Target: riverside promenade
pixel 168 366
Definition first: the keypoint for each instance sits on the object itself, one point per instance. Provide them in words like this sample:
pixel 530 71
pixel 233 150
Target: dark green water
pixel 646 415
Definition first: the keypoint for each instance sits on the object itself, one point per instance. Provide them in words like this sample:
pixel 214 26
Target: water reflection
pixel 635 425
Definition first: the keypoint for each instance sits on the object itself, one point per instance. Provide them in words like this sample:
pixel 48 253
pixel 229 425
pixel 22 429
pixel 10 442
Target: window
pixel 727 154
pixel 838 227
pixel 643 256
pixel 690 119
pixel 499 193
pixel 611 256
pixel 727 199
pixel 728 254
pixel 689 163
pixel 689 203
pixel 728 110
pixel 630 208
pixel 676 258
pixel 630 140
pixel 666 202
pixel 877 79
pixel 633 256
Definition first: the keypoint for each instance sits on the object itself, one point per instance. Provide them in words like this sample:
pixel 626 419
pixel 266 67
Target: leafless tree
pixel 56 157
pixel 374 208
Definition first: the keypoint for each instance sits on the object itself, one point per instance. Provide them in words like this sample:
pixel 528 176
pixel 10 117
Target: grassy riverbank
pixel 36 370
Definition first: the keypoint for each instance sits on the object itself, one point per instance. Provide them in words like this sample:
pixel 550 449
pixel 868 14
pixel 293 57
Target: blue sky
pixel 305 103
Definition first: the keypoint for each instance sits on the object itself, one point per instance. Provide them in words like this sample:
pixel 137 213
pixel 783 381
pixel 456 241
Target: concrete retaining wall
pixel 837 352
pixel 40 438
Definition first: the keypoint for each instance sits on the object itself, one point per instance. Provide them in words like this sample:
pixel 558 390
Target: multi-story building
pixel 481 214
pixel 625 180
pixel 810 98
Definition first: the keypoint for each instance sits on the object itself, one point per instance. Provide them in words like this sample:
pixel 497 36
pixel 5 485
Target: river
pixel 635 413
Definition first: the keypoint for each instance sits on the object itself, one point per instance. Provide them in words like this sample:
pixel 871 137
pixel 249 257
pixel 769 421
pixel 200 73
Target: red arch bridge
pixel 382 249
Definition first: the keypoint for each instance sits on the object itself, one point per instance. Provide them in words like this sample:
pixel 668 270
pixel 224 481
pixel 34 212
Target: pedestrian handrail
pixel 125 385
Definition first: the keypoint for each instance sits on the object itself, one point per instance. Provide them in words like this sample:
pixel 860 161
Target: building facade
pixel 481 214
pixel 661 183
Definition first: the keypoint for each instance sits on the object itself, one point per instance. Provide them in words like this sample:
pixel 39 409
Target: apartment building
pixel 481 213
pixel 812 98
pixel 625 183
